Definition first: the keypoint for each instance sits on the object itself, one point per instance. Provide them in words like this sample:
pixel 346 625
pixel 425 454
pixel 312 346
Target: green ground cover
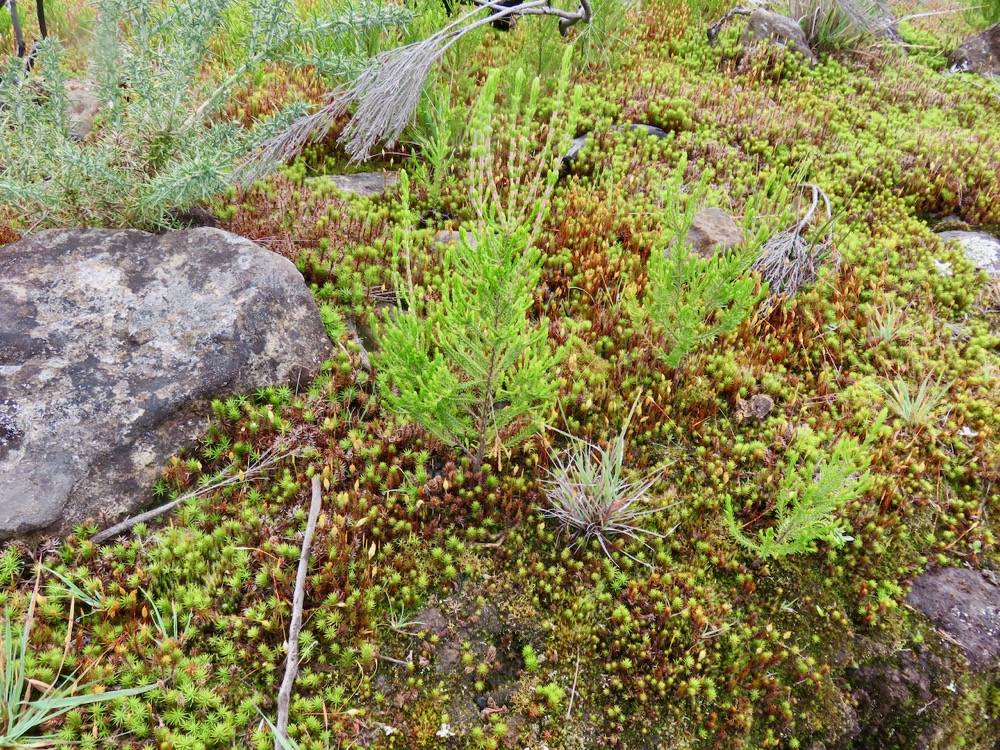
pixel 446 604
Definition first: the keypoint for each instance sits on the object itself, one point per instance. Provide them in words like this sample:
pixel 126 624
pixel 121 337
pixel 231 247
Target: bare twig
pixel 572 690
pixel 787 260
pixel 232 475
pixel 16 24
pixel 715 28
pixel 292 663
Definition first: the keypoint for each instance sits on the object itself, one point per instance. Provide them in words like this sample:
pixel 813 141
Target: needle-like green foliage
pixel 472 369
pixel 692 299
pixel 810 495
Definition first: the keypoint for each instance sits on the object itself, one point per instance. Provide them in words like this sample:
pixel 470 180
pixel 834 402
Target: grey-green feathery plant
pixel 810 495
pixel 591 496
pixel 693 300
pixel 158 142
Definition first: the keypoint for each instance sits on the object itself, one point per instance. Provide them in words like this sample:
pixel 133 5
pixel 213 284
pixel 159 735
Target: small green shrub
pixel 333 322
pixel 471 368
pixel 693 300
pixel 551 694
pixel 531 663
pixel 810 495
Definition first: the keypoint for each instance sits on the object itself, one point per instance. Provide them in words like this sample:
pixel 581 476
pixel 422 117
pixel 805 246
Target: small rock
pixel 651 130
pixel 952 223
pixel 365 183
pixel 780 30
pixel 978 54
pixel 352 329
pixel 756 409
pixel 451 237
pixel 83 106
pixel 575 147
pixel 713 231
pixel 577 144
pixel 981 249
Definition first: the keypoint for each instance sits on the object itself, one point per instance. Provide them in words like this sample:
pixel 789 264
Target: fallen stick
pixel 231 475
pixel 292 663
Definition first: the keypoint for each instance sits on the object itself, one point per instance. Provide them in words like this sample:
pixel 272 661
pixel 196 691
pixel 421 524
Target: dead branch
pixel 788 260
pixel 715 28
pixel 298 599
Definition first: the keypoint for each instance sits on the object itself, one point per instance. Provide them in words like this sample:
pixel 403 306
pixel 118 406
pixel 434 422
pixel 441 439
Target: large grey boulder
pixel 766 26
pixel 978 54
pixel 112 344
pixel 982 250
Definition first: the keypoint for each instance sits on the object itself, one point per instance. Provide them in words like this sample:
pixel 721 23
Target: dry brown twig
pixel 787 261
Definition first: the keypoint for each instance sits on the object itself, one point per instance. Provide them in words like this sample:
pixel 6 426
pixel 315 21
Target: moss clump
pixel 443 608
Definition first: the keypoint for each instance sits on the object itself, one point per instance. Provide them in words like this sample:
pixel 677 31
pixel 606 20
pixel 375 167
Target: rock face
pixel 978 54
pixel 962 604
pixel 982 250
pixel 713 231
pixel 764 25
pixel 918 696
pixel 365 183
pixel 112 343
